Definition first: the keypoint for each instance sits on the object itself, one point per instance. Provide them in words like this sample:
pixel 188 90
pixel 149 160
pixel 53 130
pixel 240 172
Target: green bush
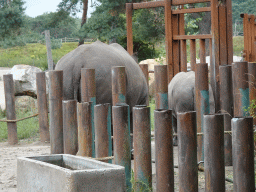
pixel 56 43
pixel 12 42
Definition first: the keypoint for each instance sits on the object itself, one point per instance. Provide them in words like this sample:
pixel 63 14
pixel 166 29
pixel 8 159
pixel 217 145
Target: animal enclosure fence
pixel 64 115
pixel 249 53
pixel 10 108
pixel 220 42
pixel 221 45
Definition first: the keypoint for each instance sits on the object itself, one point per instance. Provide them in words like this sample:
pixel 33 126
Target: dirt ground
pixel 8 160
pixel 9 154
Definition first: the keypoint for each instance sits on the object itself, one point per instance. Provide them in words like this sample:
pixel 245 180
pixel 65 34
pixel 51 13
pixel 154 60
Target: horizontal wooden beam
pixel 194 10
pixel 149 4
pixel 183 2
pixel 183 37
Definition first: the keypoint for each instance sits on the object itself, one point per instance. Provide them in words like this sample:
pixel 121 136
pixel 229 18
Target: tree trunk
pixel 84 17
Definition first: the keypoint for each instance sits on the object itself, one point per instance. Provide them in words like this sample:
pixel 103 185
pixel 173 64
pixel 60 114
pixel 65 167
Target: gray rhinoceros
pixel 102 58
pixel 181 96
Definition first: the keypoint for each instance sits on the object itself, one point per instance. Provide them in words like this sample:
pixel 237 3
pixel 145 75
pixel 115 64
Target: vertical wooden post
pixel 252 39
pixel 243 154
pixel 42 107
pixel 10 109
pixel 142 147
pixel 84 123
pixel 183 45
pixel 161 86
pixel 103 142
pixel 215 52
pixel 223 35
pixel 229 31
pixel 118 85
pixel 193 54
pixel 183 55
pixel 168 38
pixel 240 88
pixel 202 103
pixel 55 105
pixel 188 174
pixel 70 135
pixel 144 69
pixel 88 94
pixel 202 50
pixel 214 153
pixel 175 45
pixel 246 43
pixel 49 50
pixel 164 150
pixel 129 8
pixel 226 103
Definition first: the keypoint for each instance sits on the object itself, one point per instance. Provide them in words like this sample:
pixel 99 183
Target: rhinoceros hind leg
pixel 174 128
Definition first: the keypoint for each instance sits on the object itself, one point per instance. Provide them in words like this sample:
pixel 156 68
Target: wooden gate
pixel 221 45
pixel 249 37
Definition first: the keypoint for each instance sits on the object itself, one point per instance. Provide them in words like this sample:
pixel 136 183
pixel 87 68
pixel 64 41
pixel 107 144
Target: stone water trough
pixel 63 172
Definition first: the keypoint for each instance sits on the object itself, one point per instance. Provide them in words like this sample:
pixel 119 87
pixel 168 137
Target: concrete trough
pixel 63 172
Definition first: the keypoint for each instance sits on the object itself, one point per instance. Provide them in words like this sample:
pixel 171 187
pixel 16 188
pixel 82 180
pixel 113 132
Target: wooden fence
pixel 249 37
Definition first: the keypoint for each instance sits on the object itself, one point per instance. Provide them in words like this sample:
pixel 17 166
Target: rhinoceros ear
pixel 135 57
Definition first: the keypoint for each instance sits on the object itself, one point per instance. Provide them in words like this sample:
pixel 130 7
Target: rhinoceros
pixel 102 57
pixel 181 96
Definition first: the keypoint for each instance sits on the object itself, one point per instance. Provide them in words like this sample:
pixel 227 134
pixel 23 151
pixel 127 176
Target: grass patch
pixel 25 129
pixel 152 106
pixel 139 185
pixel 238 45
pixel 34 54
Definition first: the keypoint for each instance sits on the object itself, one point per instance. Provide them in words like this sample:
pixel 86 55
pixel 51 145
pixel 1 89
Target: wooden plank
pixel 183 2
pixel 210 45
pixel 49 50
pixel 202 50
pixel 246 43
pixel 194 10
pixel 168 38
pixel 183 37
pixel 146 5
pixel 255 40
pixel 193 54
pixel 249 38
pixel 229 31
pixel 176 44
pixel 183 55
pixel 129 28
pixel 253 56
pixel 183 45
pixel 223 35
pixel 181 23
pixel 215 53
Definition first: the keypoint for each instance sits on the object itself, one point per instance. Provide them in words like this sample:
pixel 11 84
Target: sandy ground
pixel 9 154
pixel 8 160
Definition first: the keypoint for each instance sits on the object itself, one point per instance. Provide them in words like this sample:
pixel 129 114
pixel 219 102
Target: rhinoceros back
pixel 102 58
pixel 181 93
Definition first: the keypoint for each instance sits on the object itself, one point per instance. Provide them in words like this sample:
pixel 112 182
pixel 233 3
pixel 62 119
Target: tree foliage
pixel 60 24
pixel 11 13
pixel 242 6
pixel 74 6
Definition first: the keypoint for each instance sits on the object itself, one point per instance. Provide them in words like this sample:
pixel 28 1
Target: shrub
pixel 12 42
pixel 56 43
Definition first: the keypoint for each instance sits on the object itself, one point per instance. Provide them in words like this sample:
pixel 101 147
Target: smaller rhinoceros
pixel 181 96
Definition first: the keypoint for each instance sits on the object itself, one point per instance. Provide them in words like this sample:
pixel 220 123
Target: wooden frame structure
pixel 249 37
pixel 221 45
